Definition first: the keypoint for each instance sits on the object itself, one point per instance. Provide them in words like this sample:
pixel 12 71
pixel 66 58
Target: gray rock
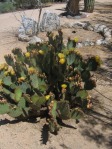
pixel 29 26
pixel 21 30
pixel 92 43
pixel 76 26
pixel 107 39
pixel 79 45
pixel 81 24
pixel 67 25
pixel 101 28
pixel 34 40
pixel 107 34
pixel 23 37
pixel 101 42
pixel 105 30
pixel 90 28
pixel 86 43
pixel 50 21
pixel 96 27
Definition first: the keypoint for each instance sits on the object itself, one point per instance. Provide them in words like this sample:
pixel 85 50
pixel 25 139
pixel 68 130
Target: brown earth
pixel 95 131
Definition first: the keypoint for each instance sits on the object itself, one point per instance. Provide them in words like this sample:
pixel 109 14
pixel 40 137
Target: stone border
pixel 98 28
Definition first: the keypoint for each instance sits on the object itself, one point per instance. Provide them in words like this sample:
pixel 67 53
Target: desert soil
pixel 95 130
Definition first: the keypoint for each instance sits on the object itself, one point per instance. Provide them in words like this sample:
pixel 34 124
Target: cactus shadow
pixel 44 134
pixel 6 121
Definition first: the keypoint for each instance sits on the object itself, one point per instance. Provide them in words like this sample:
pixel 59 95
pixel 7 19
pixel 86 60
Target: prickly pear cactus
pixel 49 76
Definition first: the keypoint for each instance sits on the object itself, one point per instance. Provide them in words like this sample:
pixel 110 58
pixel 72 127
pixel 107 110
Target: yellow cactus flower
pixel 31 70
pixel 62 61
pixel 21 79
pixel 41 52
pixel 27 54
pixel 98 60
pixel 47 97
pixel 3 66
pixel 64 86
pixel 1 82
pixel 76 39
pixel 6 73
pixel 12 72
pixel 61 55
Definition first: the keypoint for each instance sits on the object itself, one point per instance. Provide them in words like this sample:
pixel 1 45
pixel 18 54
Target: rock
pixel 107 34
pixel 96 27
pixel 81 24
pixel 50 21
pixel 23 37
pixel 86 43
pixel 21 30
pixel 34 40
pixel 29 26
pixel 67 25
pixel 106 29
pixel 79 45
pixel 101 28
pixel 92 43
pixel 101 42
pixel 90 28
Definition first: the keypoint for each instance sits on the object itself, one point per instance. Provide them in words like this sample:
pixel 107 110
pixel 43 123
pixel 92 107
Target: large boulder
pixel 50 21
pixel 29 26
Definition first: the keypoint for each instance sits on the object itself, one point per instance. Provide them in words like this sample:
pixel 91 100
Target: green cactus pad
pixel 4 108
pixel 63 110
pixel 82 94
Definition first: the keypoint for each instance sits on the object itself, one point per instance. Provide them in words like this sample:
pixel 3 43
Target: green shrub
pixel 50 79
pixel 6 7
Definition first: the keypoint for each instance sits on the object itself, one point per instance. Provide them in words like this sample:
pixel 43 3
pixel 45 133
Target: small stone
pixel 86 43
pixel 107 39
pixel 105 30
pixel 50 21
pixel 67 25
pixel 101 28
pixel 23 37
pixel 69 17
pixel 96 27
pixel 79 45
pixel 101 42
pixel 21 30
pixel 34 40
pixel 92 43
pixel 90 28
pixel 107 34
pixel 81 24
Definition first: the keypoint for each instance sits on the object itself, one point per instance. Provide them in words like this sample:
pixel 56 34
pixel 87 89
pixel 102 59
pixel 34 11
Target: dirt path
pixel 95 131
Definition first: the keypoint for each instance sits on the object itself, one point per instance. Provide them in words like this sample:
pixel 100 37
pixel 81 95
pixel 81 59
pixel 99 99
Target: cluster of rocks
pixel 98 28
pixel 29 27
pixel 51 21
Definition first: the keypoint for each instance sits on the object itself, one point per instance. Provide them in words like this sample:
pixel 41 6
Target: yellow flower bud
pixel 12 72
pixel 47 97
pixel 6 73
pixel 41 52
pixel 31 70
pixel 76 39
pixel 21 79
pixel 64 86
pixel 62 61
pixel 61 55
pixel 98 60
pixel 27 54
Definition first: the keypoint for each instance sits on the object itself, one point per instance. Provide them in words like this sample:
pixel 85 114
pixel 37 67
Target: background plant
pixel 6 7
pixel 51 79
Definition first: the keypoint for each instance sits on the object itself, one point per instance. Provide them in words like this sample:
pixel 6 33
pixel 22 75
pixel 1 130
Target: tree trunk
pixel 89 5
pixel 73 7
